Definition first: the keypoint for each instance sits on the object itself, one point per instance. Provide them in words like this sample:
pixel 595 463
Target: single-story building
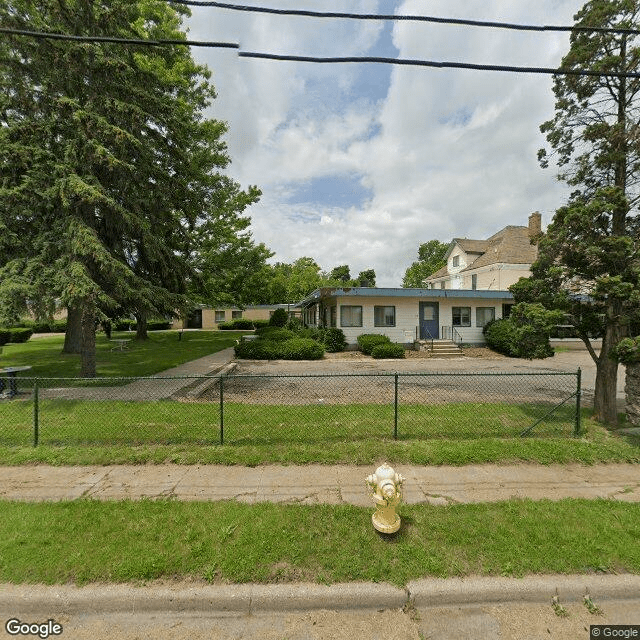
pixel 406 315
pixel 205 317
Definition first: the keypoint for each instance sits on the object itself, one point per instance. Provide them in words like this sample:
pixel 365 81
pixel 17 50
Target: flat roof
pixel 400 292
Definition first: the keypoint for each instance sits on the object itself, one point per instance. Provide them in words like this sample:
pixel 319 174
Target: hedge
pixel 238 323
pixel 367 341
pixel 19 335
pixel 391 350
pixel 293 349
pixel 275 333
pixel 4 336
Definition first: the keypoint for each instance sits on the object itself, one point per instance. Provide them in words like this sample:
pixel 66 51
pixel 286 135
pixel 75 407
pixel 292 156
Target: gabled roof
pixel 510 245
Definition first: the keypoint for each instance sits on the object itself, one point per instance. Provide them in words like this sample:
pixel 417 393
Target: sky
pixel 361 163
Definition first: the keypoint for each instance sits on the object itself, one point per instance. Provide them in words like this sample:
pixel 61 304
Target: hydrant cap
pixel 385 472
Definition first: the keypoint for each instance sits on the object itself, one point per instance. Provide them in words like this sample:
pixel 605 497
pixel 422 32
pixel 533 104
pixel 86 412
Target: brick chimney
pixel 535 226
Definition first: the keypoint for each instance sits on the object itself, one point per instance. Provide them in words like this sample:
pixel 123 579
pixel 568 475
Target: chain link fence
pixel 270 409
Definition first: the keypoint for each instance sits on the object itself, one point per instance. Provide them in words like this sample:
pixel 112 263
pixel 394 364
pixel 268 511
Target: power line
pixel 109 39
pixel 440 65
pixel 322 60
pixel 407 18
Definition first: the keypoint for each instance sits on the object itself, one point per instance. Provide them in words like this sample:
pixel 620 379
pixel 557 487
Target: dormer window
pixel 456 261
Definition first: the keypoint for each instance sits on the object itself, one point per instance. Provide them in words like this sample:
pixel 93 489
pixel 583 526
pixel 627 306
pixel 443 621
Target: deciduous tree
pixel 430 259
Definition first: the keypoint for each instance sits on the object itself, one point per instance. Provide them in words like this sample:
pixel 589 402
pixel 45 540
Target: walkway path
pixel 313 484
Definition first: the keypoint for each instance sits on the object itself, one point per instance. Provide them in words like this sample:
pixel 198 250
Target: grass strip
pixel 89 541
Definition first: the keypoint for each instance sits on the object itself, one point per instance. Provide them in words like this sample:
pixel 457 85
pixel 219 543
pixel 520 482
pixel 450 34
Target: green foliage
pixel 301 349
pixel 279 318
pixel 627 351
pixel 525 334
pixel 588 260
pixel 111 177
pixel 276 334
pixel 259 324
pixel 257 350
pixel 333 339
pixel 341 273
pixel 283 349
pixel 366 278
pixel 5 336
pixel 391 350
pixel 19 334
pixel 238 323
pixel 430 259
pixel 367 341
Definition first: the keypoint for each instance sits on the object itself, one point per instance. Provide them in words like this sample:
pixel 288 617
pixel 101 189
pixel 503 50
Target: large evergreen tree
pixel 107 165
pixel 589 261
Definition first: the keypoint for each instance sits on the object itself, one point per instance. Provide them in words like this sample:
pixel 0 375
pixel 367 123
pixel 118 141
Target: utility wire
pixel 332 60
pixel 442 65
pixel 145 42
pixel 408 18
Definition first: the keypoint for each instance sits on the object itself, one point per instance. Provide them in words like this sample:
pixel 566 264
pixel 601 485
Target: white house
pixel 492 264
pixel 406 315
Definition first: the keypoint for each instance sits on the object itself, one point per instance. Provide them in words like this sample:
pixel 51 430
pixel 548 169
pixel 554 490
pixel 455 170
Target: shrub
pixel 367 341
pixel 276 334
pixel 4 336
pixel 19 335
pixel 300 349
pixel 388 350
pixel 333 339
pixel 294 324
pixel 500 336
pixel 225 326
pixel 256 350
pixel 158 325
pixel 59 326
pixel 525 334
pixel 627 351
pixel 258 324
pixel 279 318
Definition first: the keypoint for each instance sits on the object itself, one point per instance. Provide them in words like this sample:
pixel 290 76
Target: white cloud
pixel 446 153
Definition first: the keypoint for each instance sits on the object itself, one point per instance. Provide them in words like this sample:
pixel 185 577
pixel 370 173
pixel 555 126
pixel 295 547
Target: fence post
pixel 221 409
pixel 35 413
pixel 578 428
pixel 395 409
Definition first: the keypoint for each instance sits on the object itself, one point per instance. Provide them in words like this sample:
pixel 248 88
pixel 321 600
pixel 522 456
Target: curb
pixel 254 598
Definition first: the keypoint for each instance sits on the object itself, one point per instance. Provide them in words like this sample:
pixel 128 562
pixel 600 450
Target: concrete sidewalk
pixel 314 484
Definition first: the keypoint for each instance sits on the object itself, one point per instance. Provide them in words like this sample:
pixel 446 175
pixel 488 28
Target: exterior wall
pixel 497 276
pixel 407 316
pixel 209 316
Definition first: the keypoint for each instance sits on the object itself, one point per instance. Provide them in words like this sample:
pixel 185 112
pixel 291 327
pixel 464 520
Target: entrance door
pixel 429 319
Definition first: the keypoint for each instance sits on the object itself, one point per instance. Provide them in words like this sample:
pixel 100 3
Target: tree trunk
pixel 141 326
pixel 605 404
pixel 73 334
pixel 88 353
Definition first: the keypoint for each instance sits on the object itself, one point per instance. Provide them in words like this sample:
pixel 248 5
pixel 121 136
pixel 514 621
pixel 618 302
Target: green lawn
pixel 161 351
pixel 90 541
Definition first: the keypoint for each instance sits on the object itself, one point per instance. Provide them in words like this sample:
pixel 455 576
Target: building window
pixel 474 281
pixel 384 316
pixel 455 261
pixel 220 316
pixel 506 310
pixel 461 316
pixel 236 315
pixel 333 316
pixel 350 316
pixel 484 315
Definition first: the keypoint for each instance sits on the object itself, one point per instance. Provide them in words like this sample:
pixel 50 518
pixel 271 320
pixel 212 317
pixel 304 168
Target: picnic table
pixel 10 373
pixel 121 344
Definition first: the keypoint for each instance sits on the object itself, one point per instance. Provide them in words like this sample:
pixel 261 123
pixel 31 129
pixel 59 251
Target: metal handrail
pixel 454 335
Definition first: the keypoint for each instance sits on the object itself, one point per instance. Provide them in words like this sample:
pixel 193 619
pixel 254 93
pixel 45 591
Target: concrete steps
pixel 441 348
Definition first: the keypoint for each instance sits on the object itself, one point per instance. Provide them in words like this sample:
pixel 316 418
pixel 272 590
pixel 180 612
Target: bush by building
pixel 367 341
pixel 279 318
pixel 390 350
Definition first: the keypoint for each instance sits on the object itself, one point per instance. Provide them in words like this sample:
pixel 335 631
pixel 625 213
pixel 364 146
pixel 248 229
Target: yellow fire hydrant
pixel 385 489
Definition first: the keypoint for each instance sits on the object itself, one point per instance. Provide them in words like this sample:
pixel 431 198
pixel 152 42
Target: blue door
pixel 429 320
